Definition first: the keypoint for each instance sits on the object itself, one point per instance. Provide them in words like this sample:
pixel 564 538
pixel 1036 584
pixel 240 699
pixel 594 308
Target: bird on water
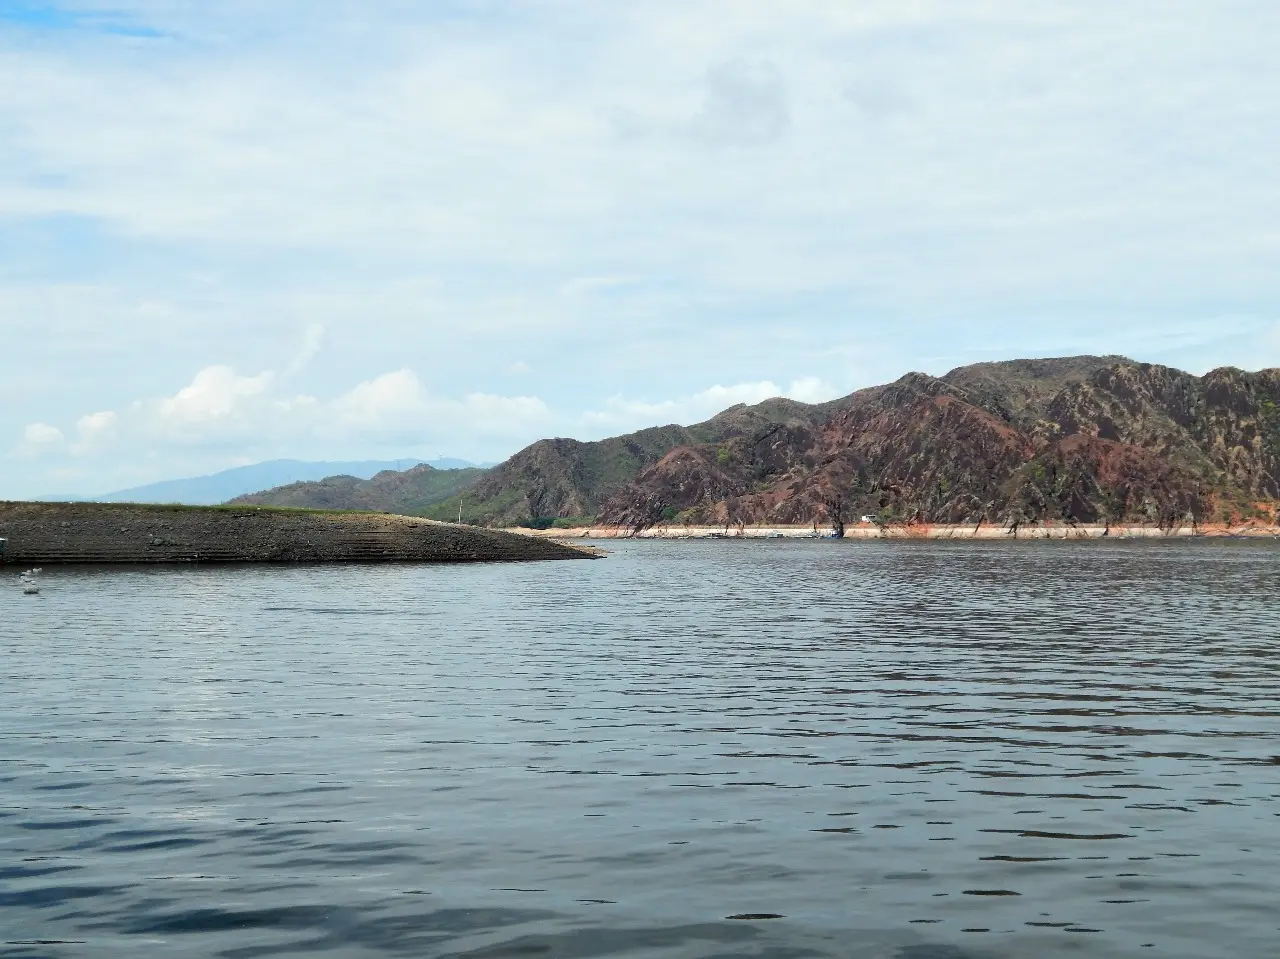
pixel 30 586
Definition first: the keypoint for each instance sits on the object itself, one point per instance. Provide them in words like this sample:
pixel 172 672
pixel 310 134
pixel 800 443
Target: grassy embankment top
pixel 47 533
pixel 187 508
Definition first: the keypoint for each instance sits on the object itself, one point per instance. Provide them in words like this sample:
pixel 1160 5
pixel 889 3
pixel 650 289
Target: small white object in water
pixel 30 589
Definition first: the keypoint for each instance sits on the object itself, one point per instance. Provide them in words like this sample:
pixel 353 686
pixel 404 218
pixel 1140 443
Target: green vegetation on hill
pixel 1021 391
pixel 412 492
pixel 569 478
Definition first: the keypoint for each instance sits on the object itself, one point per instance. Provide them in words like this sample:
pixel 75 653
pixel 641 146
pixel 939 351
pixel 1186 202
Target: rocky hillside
pixel 1020 391
pixel 568 478
pixel 1082 439
pixel 563 478
pixel 409 492
pixel 1085 439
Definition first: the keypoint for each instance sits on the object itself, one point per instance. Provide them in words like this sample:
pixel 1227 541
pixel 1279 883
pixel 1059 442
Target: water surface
pixel 773 749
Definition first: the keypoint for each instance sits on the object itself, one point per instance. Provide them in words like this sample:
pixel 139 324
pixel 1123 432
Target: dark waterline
pixel 774 749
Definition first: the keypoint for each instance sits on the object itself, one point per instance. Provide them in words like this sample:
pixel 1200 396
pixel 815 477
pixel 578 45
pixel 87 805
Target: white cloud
pixel 479 146
pixel 40 438
pixel 390 400
pixel 94 429
pixel 95 424
pixel 812 389
pixel 398 404
pixel 224 417
pixel 622 413
pixel 505 415
pixel 41 434
pixel 217 393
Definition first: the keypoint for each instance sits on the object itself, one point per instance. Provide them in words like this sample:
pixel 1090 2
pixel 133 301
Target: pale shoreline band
pixel 985 531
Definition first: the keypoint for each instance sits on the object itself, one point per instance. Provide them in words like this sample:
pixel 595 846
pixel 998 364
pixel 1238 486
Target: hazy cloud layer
pixel 236 231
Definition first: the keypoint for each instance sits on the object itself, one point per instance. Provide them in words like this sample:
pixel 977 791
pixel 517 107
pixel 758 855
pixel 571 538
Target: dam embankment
pixel 54 533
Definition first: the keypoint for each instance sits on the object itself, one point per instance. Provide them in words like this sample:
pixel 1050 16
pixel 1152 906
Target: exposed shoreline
pixel 64 533
pixel 984 531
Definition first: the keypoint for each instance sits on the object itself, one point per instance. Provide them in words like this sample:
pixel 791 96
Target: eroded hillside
pixel 1120 441
pixel 1084 439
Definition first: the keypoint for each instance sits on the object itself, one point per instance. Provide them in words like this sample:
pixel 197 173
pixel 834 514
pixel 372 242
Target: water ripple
pixel 774 749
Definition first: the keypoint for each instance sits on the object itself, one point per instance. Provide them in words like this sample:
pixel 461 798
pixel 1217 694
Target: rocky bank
pixel 52 533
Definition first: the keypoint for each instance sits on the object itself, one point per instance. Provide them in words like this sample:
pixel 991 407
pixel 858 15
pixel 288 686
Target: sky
pixel 340 229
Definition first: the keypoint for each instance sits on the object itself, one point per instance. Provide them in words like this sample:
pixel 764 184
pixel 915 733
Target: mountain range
pixel 222 486
pixel 409 492
pixel 1083 439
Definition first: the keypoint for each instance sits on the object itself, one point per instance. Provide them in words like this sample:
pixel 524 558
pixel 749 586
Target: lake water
pixel 773 749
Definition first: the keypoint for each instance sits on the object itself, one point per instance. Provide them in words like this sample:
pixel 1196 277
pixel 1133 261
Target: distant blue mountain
pixel 220 487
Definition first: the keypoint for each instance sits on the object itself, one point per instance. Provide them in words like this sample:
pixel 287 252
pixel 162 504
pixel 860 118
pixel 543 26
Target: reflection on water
pixel 907 750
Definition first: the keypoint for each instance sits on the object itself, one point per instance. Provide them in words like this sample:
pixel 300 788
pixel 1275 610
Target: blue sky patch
pixel 44 16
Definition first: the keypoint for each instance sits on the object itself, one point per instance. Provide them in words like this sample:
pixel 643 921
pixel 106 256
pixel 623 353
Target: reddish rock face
pixel 1076 439
pixel 1125 442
